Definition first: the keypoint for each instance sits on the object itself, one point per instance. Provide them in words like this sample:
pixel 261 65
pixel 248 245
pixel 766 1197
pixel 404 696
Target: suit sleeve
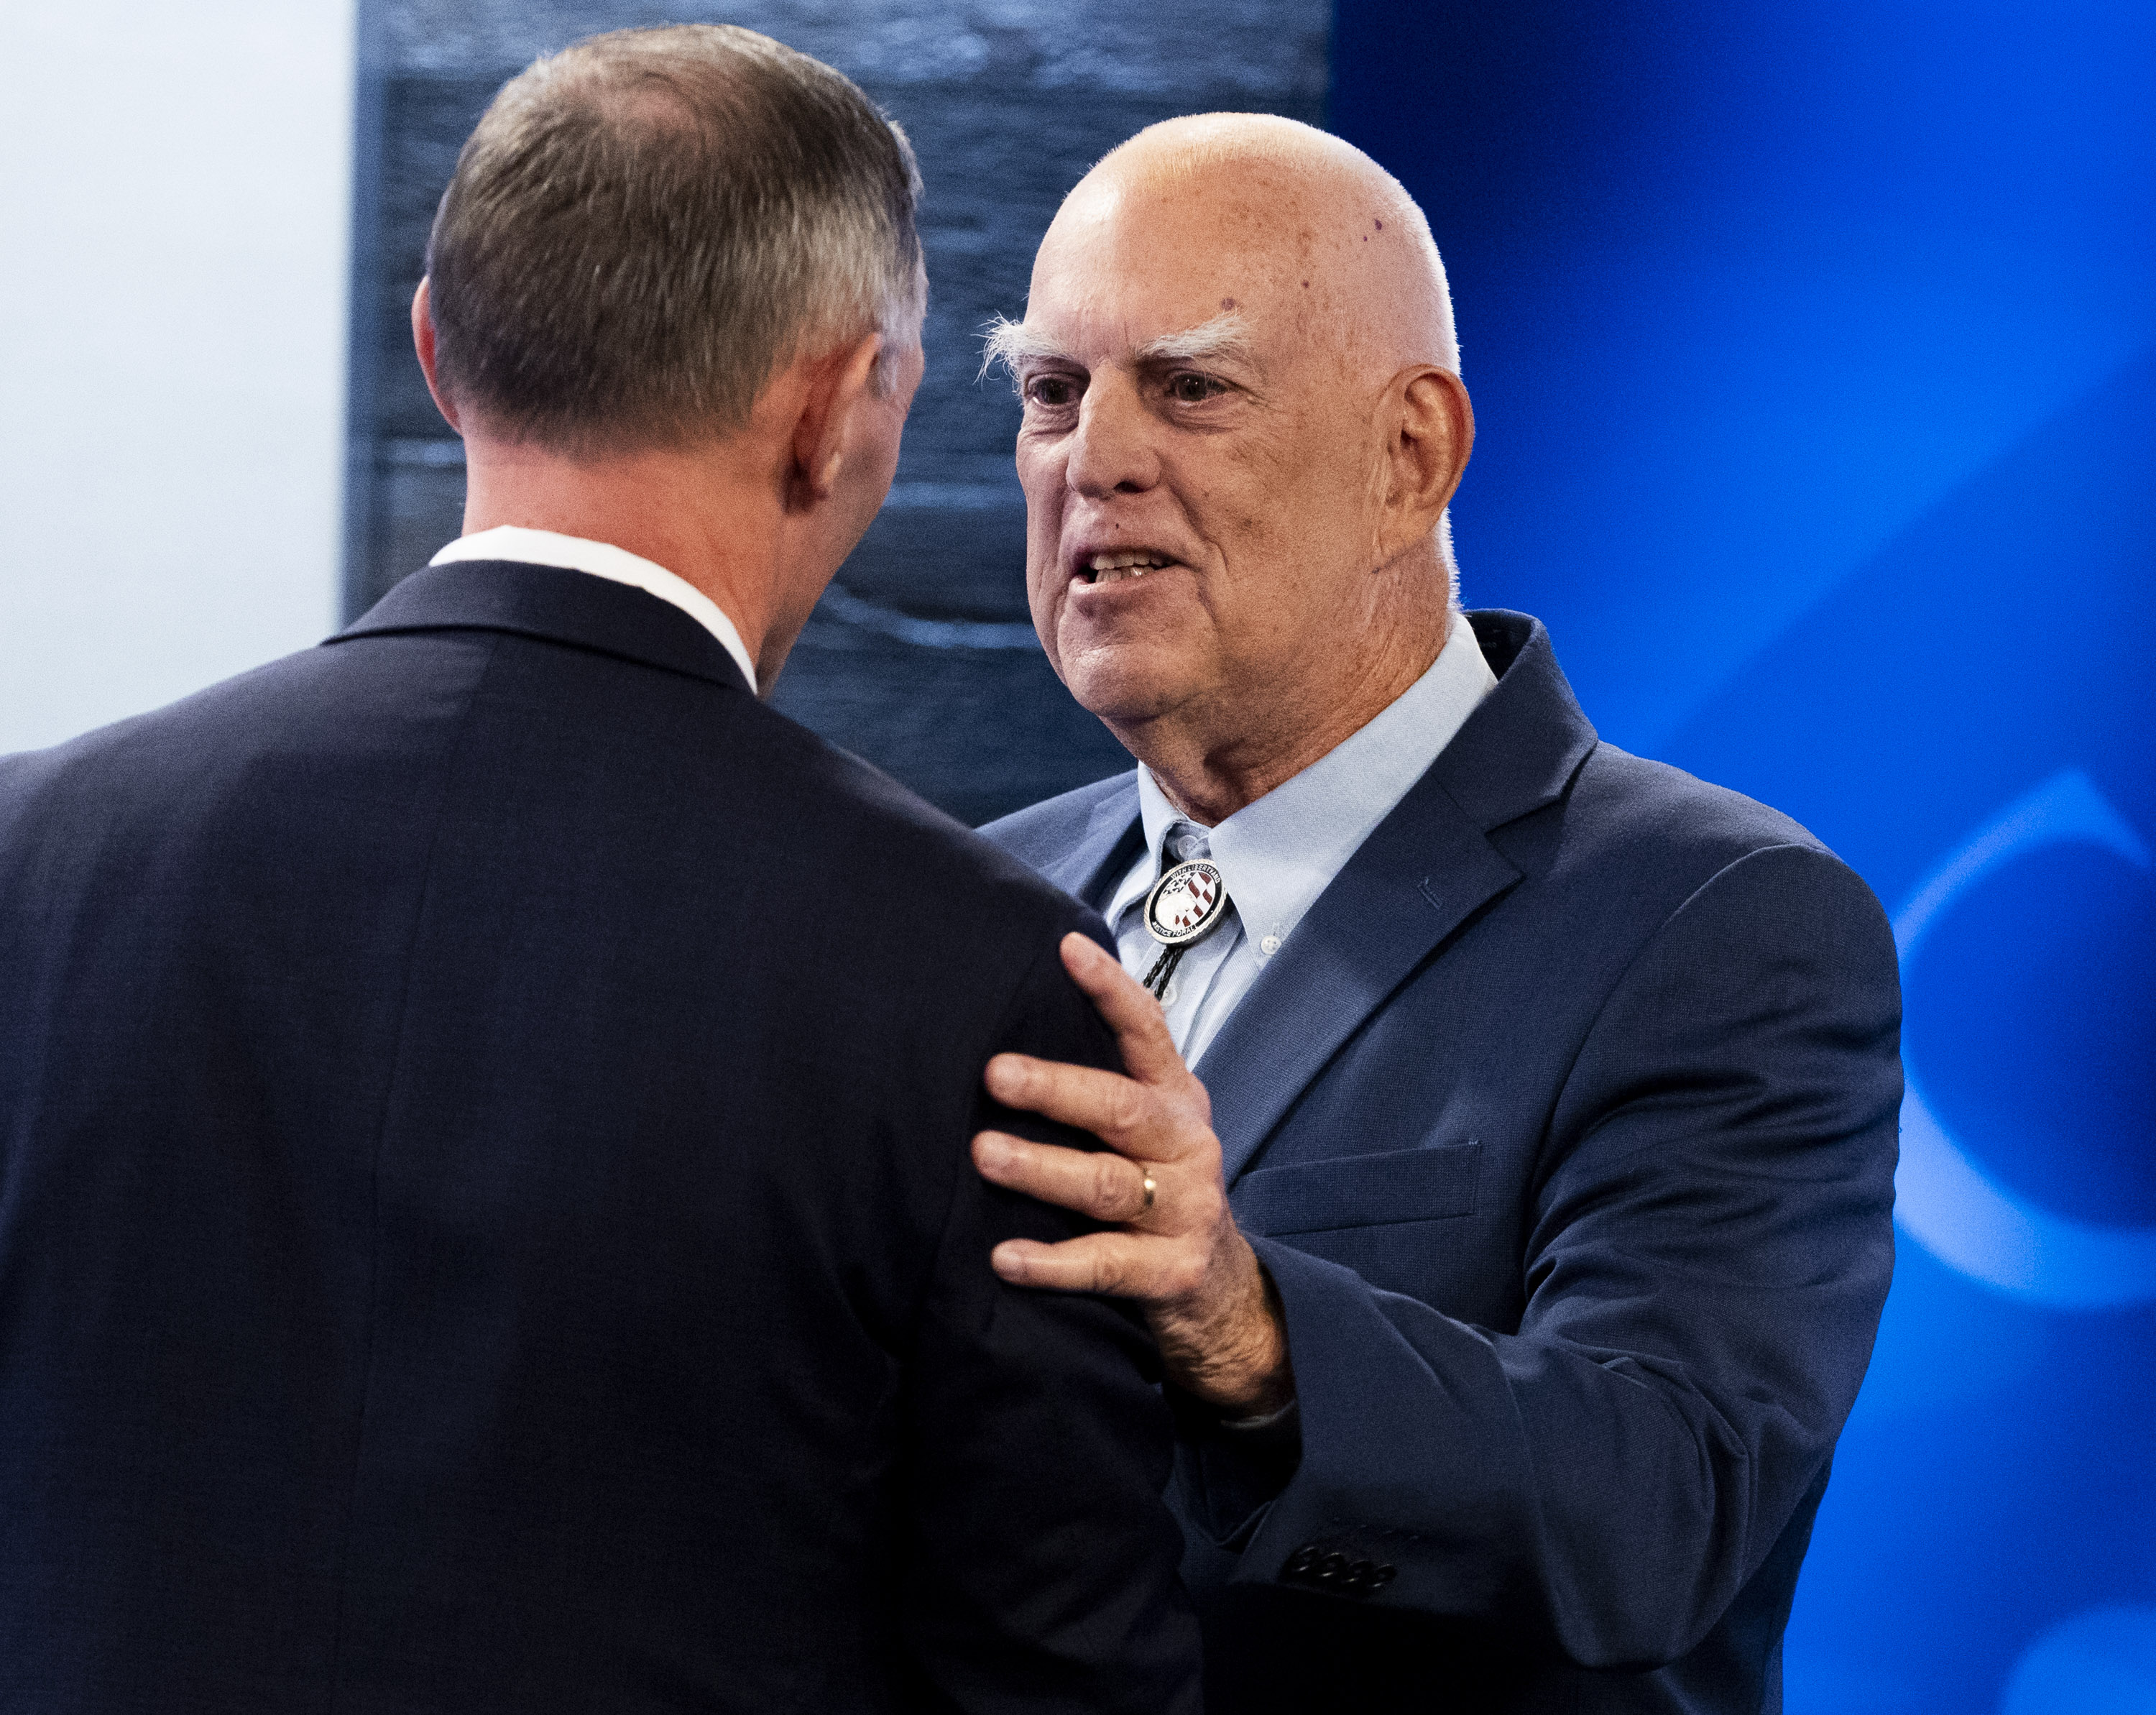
pixel 1707 1255
pixel 1044 1573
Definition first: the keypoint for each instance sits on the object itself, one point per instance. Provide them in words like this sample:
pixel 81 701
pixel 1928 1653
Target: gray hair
pixel 648 226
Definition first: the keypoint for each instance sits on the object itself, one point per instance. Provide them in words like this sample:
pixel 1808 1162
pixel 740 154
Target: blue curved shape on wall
pixel 2100 1662
pixel 1944 1199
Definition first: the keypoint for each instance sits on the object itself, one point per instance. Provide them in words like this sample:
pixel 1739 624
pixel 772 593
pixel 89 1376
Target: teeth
pixel 1113 568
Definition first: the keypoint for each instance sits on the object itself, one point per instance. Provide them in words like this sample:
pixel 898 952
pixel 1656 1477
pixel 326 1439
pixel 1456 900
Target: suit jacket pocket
pixel 1429 1183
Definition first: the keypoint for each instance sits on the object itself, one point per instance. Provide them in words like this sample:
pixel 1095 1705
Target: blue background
pixel 1814 350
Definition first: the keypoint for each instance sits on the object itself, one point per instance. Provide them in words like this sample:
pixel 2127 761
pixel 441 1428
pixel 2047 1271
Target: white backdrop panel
pixel 175 185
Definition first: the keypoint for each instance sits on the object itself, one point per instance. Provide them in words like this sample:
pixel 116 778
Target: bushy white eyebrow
pixel 1013 344
pixel 1227 334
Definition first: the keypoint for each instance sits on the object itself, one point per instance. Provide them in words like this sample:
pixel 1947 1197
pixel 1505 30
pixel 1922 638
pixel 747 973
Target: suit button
pixel 1381 1574
pixel 1331 1568
pixel 1300 1561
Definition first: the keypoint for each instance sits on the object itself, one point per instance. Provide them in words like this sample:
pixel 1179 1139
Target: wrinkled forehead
pixel 1129 269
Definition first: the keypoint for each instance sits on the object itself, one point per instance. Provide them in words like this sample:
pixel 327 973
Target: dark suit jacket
pixel 1565 1122
pixel 484 1216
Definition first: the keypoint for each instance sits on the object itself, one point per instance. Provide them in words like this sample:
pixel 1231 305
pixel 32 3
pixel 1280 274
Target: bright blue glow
pixel 1813 357
pixel 2102 1662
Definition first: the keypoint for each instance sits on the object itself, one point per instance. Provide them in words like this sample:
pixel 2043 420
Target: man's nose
pixel 1111 450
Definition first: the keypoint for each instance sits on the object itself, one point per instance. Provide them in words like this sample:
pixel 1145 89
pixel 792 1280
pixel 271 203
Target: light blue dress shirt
pixel 1278 854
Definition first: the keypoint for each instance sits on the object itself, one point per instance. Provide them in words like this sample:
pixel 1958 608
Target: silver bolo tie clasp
pixel 1185 906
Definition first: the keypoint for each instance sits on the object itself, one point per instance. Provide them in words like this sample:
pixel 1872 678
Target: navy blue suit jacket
pixel 1565 1123
pixel 486 1223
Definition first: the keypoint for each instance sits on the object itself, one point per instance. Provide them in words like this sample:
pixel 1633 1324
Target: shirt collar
pixel 575 554
pixel 1278 853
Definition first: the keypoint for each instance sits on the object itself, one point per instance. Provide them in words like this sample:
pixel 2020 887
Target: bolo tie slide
pixel 1186 905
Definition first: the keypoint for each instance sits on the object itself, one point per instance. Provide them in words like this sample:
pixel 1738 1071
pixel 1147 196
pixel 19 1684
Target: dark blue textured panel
pixel 921 657
pixel 1815 354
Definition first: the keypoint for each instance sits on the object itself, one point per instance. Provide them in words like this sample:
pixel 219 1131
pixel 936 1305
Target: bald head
pixel 1306 216
pixel 1305 206
pixel 1243 420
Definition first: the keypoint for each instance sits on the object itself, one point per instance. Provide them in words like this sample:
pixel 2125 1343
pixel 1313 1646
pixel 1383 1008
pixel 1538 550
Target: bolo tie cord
pixel 1164 967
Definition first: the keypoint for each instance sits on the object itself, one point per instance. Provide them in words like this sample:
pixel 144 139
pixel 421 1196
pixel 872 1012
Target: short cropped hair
pixel 648 226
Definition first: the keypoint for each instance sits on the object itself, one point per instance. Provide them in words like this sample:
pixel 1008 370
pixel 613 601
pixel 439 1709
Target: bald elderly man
pixel 1517 1248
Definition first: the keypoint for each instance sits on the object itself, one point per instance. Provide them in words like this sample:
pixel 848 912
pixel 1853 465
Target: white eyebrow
pixel 1226 335
pixel 1013 344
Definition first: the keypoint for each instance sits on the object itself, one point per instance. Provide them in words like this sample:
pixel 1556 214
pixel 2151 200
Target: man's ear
pixel 838 383
pixel 423 341
pixel 1430 432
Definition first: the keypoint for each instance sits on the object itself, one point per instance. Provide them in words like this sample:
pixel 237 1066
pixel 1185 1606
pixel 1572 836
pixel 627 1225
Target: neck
pixel 701 514
pixel 1212 761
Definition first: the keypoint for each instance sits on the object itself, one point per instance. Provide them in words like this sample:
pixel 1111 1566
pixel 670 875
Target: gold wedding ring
pixel 1149 1188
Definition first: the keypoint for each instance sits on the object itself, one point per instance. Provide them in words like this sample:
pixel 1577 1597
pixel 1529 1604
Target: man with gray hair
pixel 487 1225
pixel 1517 1260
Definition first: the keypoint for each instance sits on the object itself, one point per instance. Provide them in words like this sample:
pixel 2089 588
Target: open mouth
pixel 1123 566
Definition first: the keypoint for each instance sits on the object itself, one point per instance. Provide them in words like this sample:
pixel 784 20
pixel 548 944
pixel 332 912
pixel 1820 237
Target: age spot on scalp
pixel 1229 303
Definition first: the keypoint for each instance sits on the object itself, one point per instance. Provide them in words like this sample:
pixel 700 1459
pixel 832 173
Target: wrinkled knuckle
pixel 1126 1109
pixel 1107 1197
pixel 1183 1277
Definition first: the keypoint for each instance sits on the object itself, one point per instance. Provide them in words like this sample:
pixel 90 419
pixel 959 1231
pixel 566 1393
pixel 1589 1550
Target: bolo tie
pixel 1186 905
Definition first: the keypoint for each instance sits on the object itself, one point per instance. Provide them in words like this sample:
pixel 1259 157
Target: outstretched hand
pixel 1174 1247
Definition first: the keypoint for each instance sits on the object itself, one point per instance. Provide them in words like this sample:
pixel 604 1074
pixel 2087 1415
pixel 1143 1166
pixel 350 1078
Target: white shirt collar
pixel 1279 853
pixel 574 553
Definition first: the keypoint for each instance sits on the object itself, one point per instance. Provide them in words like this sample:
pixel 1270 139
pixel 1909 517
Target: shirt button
pixel 1167 995
pixel 1270 946
pixel 1190 845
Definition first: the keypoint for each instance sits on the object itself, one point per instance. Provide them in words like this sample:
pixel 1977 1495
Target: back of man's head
pixel 645 227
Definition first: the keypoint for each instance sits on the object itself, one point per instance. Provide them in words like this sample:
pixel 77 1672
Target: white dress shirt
pixel 574 553
pixel 1278 854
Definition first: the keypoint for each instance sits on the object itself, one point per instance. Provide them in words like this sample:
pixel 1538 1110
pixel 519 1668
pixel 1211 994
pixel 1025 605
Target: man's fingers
pixel 1105 1187
pixel 1134 1015
pixel 1118 1111
pixel 1097 1262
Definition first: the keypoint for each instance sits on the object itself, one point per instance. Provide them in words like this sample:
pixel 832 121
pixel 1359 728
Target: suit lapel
pixel 1113 837
pixel 1424 871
